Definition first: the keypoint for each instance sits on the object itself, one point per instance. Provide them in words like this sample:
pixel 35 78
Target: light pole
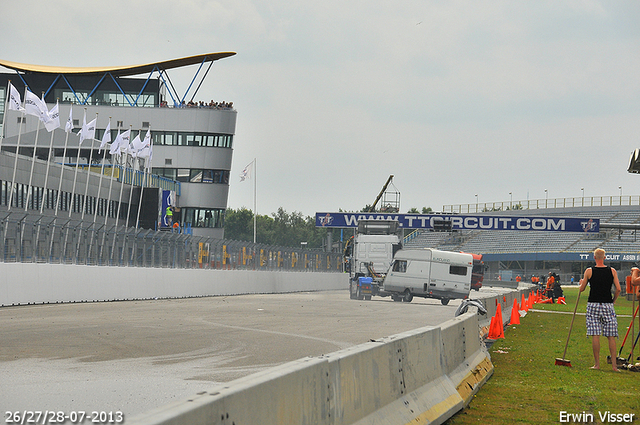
pixel 546 198
pixel 511 200
pixel 582 189
pixel 620 187
pixel 476 202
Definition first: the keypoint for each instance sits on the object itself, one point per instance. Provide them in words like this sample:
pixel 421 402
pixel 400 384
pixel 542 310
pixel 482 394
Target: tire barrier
pixel 420 376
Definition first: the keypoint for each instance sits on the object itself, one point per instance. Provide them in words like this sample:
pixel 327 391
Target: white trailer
pixel 429 273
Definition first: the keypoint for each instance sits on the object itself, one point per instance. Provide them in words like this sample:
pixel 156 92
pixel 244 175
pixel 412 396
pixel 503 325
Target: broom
pixel 563 361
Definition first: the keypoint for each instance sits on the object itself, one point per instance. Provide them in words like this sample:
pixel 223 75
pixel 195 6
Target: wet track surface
pixel 133 356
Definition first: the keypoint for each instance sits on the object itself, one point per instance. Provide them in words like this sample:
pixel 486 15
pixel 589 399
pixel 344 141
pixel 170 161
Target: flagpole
pixel 33 162
pixel 255 211
pixel 95 214
pixel 133 176
pixel 68 127
pixel 4 116
pixel 114 156
pixel 75 174
pixel 15 163
pixel 122 183
pixel 144 178
pixel 46 175
pixel 86 188
pixel 134 159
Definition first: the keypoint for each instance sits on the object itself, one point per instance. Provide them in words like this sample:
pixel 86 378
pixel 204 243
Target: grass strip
pixel 528 388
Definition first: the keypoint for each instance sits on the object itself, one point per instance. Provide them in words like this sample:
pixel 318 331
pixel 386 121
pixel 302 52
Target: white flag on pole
pixel 15 103
pixel 53 121
pixel 115 146
pixel 69 125
pixel 137 145
pixel 144 152
pixel 84 126
pixel 36 107
pixel 246 173
pixel 147 139
pixel 124 142
pixel 88 130
pixel 106 138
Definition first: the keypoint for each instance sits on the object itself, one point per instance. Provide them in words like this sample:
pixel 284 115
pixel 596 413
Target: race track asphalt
pixel 132 356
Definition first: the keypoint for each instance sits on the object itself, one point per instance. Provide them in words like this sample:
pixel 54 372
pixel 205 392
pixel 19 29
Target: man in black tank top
pixel 601 316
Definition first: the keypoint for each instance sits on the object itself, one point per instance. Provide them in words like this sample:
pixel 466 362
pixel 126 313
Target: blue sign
pixel 168 197
pixel 464 222
pixel 559 256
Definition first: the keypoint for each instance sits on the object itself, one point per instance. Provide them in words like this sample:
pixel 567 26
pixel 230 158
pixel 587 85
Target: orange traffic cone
pixel 515 314
pixel 523 305
pixel 499 323
pixel 530 305
pixel 561 301
pixel 492 326
pixel 496 328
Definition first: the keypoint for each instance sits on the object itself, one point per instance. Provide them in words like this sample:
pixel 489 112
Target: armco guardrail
pixel 425 375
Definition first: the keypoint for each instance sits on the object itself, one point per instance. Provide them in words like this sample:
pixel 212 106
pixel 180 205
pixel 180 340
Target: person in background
pixel 635 281
pixel 601 316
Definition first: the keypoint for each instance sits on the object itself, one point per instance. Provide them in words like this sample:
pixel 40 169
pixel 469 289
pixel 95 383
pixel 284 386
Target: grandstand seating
pixel 510 241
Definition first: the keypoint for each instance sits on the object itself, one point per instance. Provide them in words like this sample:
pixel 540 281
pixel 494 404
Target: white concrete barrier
pixel 421 376
pixel 24 283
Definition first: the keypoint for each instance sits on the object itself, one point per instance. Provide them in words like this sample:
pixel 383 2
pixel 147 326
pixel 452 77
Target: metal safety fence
pixel 30 238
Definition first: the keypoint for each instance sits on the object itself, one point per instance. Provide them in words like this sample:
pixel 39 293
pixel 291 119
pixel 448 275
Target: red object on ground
pixel 515 314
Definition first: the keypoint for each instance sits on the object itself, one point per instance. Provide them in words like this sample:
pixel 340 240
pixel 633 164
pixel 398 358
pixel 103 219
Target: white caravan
pixel 429 273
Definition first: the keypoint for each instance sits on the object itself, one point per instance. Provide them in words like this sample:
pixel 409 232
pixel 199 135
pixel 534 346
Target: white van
pixel 429 273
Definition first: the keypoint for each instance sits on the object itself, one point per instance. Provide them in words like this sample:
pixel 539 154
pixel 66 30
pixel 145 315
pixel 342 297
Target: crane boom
pixel 373 207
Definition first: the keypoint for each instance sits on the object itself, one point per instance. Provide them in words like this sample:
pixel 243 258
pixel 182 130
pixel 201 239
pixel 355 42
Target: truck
pixel 374 259
pixel 429 273
pixel 368 255
pixel 477 275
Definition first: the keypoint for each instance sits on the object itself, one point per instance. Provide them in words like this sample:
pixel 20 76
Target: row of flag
pixel 35 106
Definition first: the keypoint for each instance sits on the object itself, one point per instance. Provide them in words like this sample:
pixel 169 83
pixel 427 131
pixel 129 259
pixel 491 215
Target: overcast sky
pixel 454 98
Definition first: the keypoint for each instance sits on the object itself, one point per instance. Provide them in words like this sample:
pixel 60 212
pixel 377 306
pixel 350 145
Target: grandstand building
pixel 508 253
pixel 192 146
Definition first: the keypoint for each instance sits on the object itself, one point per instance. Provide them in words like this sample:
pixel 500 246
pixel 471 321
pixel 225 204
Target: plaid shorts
pixel 601 319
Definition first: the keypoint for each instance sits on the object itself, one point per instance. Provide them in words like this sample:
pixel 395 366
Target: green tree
pixel 238 224
pixel 281 228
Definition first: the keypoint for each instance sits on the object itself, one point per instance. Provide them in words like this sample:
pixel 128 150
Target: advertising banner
pixel 464 222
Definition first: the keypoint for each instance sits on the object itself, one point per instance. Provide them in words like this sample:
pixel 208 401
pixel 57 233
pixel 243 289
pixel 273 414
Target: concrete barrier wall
pixel 425 375
pixel 24 283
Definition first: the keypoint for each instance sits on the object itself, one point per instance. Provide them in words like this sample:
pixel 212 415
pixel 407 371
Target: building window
pixel 203 217
pixel 172 138
pixel 188 175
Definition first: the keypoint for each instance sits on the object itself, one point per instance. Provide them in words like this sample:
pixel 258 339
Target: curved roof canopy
pixel 121 71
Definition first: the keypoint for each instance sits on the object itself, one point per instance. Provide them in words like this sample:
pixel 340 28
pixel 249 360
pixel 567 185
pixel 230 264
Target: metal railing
pixel 31 238
pixel 588 201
